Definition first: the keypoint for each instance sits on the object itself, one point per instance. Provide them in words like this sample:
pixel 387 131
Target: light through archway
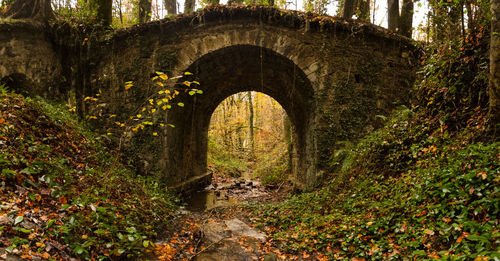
pixel 250 137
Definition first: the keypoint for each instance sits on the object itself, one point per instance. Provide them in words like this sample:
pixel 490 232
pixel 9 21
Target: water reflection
pixel 206 200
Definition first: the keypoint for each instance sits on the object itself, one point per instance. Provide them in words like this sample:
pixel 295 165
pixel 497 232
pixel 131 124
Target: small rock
pixel 214 231
pixel 239 228
pixel 28 225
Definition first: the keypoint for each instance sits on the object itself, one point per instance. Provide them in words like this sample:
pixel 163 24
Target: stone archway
pixel 234 69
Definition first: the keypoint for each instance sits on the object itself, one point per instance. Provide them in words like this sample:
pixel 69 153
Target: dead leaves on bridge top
pixel 217 14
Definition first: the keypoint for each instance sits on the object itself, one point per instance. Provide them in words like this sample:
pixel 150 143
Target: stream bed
pixel 214 225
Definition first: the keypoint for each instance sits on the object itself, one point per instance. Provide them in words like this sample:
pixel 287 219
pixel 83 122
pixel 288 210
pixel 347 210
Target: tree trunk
pixel 104 10
pixel 171 6
pixel 494 88
pixel 406 19
pixel 470 18
pixel 250 123
pixel 120 11
pixel 189 6
pixel 39 10
pixel 348 9
pixel 364 10
pixel 144 11
pixel 393 14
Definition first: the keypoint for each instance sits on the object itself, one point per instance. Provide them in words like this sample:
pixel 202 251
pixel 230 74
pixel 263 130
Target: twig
pixel 279 187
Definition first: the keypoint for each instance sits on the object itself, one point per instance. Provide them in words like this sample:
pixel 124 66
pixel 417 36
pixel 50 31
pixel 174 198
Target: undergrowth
pixel 272 166
pixel 438 199
pixel 223 162
pixel 59 197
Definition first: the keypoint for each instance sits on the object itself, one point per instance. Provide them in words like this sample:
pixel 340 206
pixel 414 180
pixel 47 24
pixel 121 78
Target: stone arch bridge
pixel 332 76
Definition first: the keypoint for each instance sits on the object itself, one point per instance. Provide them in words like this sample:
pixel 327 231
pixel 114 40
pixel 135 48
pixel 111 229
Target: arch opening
pixel 231 70
pixel 250 138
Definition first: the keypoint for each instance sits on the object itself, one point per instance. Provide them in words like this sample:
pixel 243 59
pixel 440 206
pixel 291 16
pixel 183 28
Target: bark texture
pixel 348 9
pixel 189 6
pixel 171 6
pixel 406 18
pixel 144 11
pixel 39 10
pixel 250 122
pixel 393 14
pixel 104 10
pixel 364 10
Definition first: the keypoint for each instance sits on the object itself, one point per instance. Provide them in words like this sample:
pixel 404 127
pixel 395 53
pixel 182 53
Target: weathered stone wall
pixel 29 63
pixel 331 76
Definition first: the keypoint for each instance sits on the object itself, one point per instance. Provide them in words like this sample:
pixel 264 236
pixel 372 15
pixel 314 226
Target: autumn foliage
pixel 57 201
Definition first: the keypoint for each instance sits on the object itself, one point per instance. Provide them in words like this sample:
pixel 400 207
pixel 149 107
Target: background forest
pixel 249 137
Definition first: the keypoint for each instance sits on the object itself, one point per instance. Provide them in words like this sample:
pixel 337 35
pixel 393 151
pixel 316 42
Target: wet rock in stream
pixel 230 240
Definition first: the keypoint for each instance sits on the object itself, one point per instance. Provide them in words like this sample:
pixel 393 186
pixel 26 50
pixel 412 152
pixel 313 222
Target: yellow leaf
pixel 164 76
pixel 160 92
pixel 128 86
pixel 153 110
pixel 164 107
pixel 160 84
pixel 155 134
pixel 138 115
